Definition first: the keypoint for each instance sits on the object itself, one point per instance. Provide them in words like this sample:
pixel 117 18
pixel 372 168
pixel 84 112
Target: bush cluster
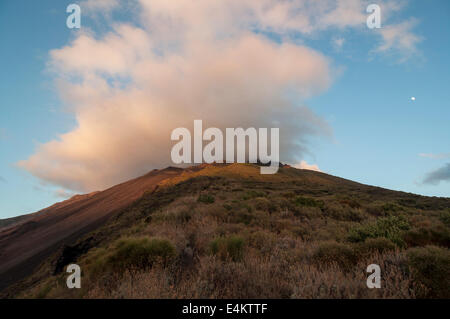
pixel 392 228
pixel 140 253
pixel 206 199
pixel 228 248
pixel 430 267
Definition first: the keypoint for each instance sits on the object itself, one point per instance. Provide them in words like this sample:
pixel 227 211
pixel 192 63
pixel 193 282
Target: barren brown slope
pixel 24 245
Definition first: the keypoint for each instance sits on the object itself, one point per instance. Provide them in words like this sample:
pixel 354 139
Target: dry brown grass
pixel 262 277
pixel 295 240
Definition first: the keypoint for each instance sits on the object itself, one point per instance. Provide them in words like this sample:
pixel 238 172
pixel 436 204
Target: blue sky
pixel 378 131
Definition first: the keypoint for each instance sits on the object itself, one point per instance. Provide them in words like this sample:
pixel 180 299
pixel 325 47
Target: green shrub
pixel 445 218
pixel 261 203
pixel 355 215
pixel 372 245
pixel 392 228
pixel 305 201
pixel 391 208
pixel 438 235
pixel 332 252
pixel 228 248
pixel 352 203
pixel 345 213
pixel 262 240
pixel 430 267
pixel 44 291
pixel 177 216
pixel 253 194
pixel 140 253
pixel 206 198
pixel 242 216
pixel 375 210
pixel 96 261
pixel 302 231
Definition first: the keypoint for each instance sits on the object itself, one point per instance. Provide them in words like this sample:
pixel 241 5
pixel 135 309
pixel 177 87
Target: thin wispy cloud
pixel 435 156
pixel 338 43
pixel 62 193
pixel 99 7
pixel 400 40
pixel 439 175
pixel 304 165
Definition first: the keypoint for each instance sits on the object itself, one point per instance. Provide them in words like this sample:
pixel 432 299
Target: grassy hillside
pixel 225 231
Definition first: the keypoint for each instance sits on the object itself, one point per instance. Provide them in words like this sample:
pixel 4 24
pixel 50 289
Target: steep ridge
pixel 25 244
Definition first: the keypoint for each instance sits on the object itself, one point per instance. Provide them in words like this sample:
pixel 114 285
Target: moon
pixel 413 98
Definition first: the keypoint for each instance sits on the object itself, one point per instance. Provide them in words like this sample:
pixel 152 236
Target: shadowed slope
pixel 25 244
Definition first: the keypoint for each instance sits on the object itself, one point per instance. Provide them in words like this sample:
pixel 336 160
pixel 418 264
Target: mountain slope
pixel 227 231
pixel 25 244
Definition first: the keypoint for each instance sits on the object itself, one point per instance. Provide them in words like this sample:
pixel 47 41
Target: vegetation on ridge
pixel 229 232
